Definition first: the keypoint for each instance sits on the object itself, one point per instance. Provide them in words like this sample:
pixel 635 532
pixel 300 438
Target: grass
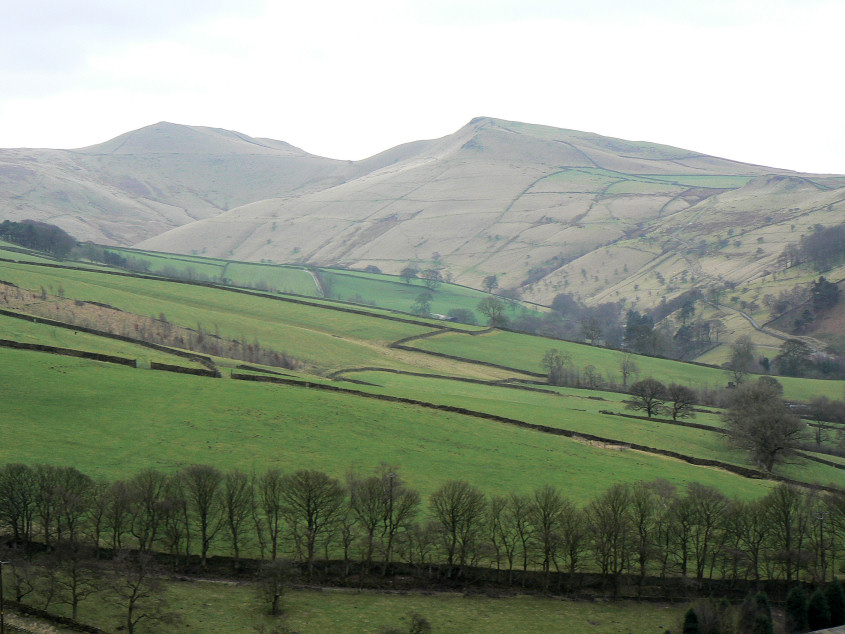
pixel 389 291
pixel 326 339
pixel 214 607
pixel 284 278
pixel 525 352
pixel 580 410
pixel 29 332
pixel 383 291
pixel 112 421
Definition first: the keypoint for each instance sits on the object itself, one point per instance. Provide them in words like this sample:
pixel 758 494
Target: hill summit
pixel 547 210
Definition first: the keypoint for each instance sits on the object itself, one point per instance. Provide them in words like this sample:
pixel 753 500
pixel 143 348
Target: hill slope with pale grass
pixel 148 181
pixel 547 210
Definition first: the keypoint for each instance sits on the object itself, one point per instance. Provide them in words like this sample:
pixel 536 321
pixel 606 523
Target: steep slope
pixel 145 182
pixel 522 201
pixel 547 210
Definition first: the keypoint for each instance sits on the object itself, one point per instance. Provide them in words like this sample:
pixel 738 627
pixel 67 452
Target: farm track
pixel 815 344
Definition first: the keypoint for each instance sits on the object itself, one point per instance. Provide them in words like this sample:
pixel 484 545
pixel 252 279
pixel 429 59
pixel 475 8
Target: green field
pixel 389 291
pixel 580 410
pixel 224 608
pixel 113 421
pixel 383 291
pixel 525 352
pixel 28 332
pixel 323 338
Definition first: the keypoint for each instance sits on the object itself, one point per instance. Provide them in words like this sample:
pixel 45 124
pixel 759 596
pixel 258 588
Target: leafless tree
pixel 311 503
pixel 137 591
pixel 431 278
pixel 17 501
pixel 547 506
pixel 458 507
pixel 627 367
pixel 709 509
pixel 556 363
pixel 683 401
pixel 146 492
pixel 647 395
pixel 238 501
pixel 518 519
pixel 77 577
pixel 759 421
pixel 494 309
pixel 203 493
pixel 269 503
pixel 274 579
pixel 742 358
pixel 610 529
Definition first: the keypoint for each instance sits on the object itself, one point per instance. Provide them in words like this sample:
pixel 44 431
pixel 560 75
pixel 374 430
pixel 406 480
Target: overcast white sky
pixel 751 80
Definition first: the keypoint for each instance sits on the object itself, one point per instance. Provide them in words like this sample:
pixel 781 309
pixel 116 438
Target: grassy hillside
pixel 383 291
pixel 109 420
pixel 223 608
pixel 113 421
pixel 525 352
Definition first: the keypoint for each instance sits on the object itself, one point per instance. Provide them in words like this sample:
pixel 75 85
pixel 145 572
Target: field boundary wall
pixel 556 431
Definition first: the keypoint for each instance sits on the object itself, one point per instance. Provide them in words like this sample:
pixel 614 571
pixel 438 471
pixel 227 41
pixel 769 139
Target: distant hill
pixel 146 182
pixel 547 210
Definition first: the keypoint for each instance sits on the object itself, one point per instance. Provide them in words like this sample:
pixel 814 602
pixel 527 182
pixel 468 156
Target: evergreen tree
pixel 836 602
pixel 691 625
pixel 796 610
pixel 818 612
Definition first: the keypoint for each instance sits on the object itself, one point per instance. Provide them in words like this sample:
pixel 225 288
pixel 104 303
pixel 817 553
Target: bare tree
pixel 203 494
pixel 518 517
pixel 547 505
pixel 409 273
pixel 17 501
pixel 709 507
pixel 238 501
pixel 275 577
pixel 682 399
pixel 628 367
pixel 77 578
pixel 591 328
pixel 494 309
pixel 647 395
pixel 431 278
pixel 45 483
pixel 311 503
pixel 422 304
pixel 759 421
pixel 490 283
pixel 137 591
pixel 270 502
pixel 787 515
pixel 556 363
pixel 118 515
pixel 146 491
pixel 459 510
pixel 742 358
pixel 610 530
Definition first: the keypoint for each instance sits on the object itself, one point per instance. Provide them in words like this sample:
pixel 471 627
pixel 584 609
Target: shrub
pixel 818 612
pixel 796 610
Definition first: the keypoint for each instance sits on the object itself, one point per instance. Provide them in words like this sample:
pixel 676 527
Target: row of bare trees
pixel 373 520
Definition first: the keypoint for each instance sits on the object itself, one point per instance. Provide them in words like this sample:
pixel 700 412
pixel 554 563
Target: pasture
pixel 113 421
pixel 222 608
pixel 525 352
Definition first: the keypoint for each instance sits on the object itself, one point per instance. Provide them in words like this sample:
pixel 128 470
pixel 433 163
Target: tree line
pixel 371 521
pixel 39 236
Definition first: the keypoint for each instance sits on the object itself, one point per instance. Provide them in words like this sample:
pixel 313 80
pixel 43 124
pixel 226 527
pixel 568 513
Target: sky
pixel 758 81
